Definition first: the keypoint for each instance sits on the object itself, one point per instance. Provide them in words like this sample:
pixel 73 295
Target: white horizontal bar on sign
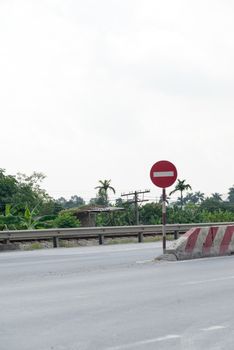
pixel 163 174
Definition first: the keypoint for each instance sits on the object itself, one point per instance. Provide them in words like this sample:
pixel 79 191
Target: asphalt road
pixel 114 298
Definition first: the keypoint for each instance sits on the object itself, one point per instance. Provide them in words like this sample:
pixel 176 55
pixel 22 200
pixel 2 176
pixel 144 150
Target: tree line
pixel 25 205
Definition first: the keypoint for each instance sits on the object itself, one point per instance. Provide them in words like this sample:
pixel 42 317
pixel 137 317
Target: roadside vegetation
pixel 25 205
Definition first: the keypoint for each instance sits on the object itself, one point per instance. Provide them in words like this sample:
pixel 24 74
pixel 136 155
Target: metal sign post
pixel 164 219
pixel 163 174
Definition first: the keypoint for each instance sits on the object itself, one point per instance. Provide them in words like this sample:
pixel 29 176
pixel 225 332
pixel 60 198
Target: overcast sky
pixel 94 90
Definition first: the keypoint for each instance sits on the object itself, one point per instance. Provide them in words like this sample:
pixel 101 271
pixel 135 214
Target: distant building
pixel 87 213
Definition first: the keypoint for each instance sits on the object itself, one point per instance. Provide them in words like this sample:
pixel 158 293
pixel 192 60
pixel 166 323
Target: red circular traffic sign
pixel 163 174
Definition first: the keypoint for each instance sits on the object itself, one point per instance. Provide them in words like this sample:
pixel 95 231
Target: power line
pixel 136 200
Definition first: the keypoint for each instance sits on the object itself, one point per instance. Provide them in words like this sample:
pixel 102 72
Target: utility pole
pixel 136 200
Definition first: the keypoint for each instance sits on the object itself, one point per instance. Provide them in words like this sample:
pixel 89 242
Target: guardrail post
pixel 140 237
pixel 55 242
pixel 176 234
pixel 101 239
pixel 7 241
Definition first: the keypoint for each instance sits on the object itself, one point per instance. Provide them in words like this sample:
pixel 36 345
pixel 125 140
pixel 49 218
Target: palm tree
pixel 195 198
pixel 181 186
pixel 199 197
pixel 231 194
pixel 103 189
pixel 190 198
pixel 217 197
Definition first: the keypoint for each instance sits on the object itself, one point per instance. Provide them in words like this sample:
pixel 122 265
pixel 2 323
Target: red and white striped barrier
pixel 203 242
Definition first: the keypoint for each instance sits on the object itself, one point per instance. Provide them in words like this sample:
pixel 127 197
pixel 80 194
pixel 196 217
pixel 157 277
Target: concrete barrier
pixel 201 242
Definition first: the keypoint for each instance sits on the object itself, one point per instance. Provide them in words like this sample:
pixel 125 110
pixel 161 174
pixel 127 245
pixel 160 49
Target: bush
pixel 65 220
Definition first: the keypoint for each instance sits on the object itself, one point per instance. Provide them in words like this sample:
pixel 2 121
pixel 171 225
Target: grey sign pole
pixel 164 219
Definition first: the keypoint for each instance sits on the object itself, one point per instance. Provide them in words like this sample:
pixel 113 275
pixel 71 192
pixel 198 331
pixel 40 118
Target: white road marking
pixel 213 328
pixel 145 342
pixel 163 174
pixel 207 280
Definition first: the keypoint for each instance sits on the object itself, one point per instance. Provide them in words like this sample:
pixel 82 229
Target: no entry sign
pixel 163 174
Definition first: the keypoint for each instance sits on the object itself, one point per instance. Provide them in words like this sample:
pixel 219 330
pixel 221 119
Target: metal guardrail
pixel 99 232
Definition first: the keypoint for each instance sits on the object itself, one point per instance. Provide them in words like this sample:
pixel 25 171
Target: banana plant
pixel 30 219
pixel 9 221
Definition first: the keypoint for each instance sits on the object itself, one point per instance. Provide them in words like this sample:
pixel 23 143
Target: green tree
pixel 103 189
pixel 22 194
pixel 181 186
pixel 231 194
pixel 189 214
pixel 29 192
pixel 212 204
pixel 195 198
pixel 8 189
pixel 74 202
pixel 151 214
pixel 50 207
pixel 199 197
pixel 217 196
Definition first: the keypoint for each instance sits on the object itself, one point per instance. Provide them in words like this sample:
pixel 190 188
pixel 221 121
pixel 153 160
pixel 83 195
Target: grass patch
pixel 67 244
pixel 157 238
pixel 34 246
pixel 120 240
pixel 123 240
